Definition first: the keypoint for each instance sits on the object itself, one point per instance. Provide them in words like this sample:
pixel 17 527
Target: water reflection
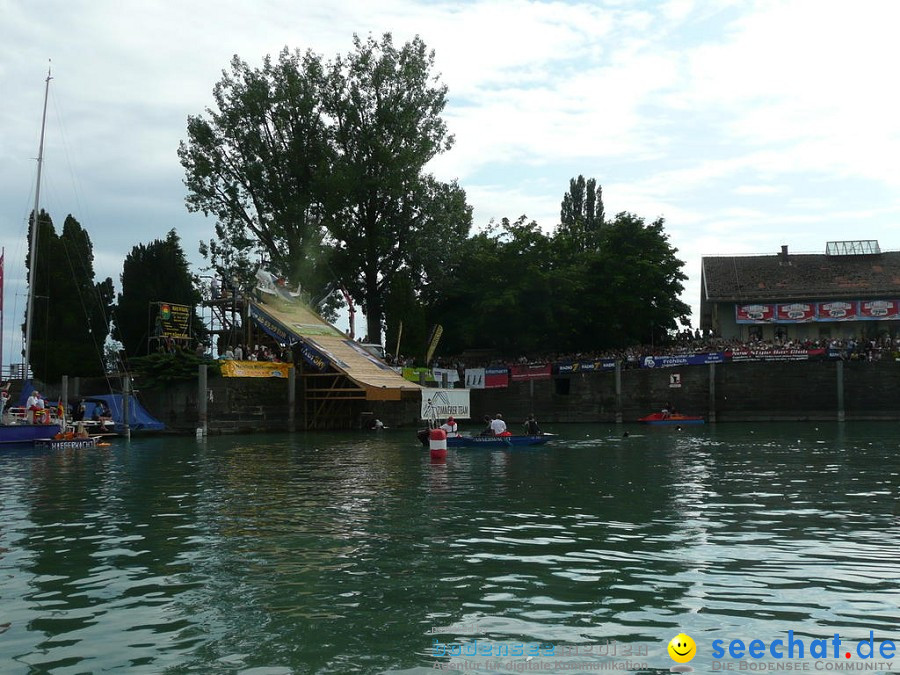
pixel 337 553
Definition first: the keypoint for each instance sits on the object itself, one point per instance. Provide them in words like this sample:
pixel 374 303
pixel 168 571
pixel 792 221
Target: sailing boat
pixel 30 432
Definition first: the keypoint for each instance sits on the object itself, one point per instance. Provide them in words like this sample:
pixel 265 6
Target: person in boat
pixel 531 426
pixel 498 426
pixel 80 430
pixel 488 430
pixel 4 401
pixel 78 411
pixel 105 414
pixel 667 410
pixel 451 427
pixel 37 411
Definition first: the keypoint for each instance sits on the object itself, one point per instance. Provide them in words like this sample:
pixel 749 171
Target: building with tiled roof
pixel 852 290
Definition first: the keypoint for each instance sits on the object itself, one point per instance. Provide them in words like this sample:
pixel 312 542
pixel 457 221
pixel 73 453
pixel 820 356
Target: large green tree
pixel 151 273
pixel 388 216
pixel 260 163
pixel 70 311
pixel 582 213
pixel 320 167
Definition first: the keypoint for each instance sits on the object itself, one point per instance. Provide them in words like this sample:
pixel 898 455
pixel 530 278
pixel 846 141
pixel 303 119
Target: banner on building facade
pixel 837 310
pixel 795 312
pixel 825 311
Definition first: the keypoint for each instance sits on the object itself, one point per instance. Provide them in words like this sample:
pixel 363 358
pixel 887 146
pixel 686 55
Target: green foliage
pixel 70 321
pixel 319 168
pixel 156 272
pixel 594 285
pixel 162 369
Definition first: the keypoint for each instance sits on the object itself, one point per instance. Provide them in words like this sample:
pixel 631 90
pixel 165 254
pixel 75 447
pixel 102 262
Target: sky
pixel 746 125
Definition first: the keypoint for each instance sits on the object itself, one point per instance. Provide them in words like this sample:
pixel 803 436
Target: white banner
pixel 451 373
pixel 438 404
pixel 474 378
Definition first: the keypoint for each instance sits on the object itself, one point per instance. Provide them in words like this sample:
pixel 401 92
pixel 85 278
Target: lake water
pixel 327 553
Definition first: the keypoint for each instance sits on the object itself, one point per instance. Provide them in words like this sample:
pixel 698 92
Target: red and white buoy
pixel 437 440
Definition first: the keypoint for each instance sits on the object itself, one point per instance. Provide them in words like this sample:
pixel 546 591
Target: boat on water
pixel 16 430
pixel 674 419
pixel 67 443
pixel 487 441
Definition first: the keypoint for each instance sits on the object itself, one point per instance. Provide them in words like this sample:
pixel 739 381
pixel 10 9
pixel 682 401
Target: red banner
pixel 878 309
pixel 533 371
pixel 796 312
pixel 754 313
pixel 838 310
pixel 496 378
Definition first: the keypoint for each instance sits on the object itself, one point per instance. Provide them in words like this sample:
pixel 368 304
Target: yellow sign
pixel 254 368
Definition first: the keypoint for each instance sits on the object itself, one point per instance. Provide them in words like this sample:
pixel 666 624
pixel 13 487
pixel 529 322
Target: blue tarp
pixel 138 418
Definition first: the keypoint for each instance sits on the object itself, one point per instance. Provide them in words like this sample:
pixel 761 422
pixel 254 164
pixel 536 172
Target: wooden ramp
pixel 327 351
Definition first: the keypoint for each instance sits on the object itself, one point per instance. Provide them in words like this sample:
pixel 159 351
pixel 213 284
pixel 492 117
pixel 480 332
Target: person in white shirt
pixel 35 407
pixel 451 427
pixel 498 426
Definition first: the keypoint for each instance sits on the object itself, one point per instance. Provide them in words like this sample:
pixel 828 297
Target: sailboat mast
pixel 34 234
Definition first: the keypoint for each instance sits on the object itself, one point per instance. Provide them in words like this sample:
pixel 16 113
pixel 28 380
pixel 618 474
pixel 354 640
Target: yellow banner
pixel 254 368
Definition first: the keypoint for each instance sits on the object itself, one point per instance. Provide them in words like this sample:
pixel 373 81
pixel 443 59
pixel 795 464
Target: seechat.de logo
pixel 682 649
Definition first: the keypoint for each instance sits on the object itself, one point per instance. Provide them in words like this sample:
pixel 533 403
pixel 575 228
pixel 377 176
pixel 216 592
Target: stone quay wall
pixel 733 392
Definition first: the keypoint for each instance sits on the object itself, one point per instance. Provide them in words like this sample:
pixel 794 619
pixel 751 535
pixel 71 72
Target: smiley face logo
pixel 682 648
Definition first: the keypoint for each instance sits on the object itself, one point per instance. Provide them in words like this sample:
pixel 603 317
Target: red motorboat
pixel 659 418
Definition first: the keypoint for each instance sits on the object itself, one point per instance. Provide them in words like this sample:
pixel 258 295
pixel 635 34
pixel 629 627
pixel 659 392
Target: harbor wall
pixel 733 392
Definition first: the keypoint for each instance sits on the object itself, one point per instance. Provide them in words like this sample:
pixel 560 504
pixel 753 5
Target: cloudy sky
pixel 745 124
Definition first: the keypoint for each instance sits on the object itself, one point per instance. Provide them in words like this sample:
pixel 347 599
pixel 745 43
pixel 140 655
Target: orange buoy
pixel 437 441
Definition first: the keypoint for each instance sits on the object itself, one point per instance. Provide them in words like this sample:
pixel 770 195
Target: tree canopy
pixel 319 168
pixel 151 273
pixel 591 285
pixel 70 311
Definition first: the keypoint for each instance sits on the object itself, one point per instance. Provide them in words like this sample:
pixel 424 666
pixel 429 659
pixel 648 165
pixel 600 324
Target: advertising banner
pixel 878 310
pixel 795 312
pixel 451 374
pixel 585 366
pixel 754 313
pixel 412 374
pixel 496 378
pixel 439 404
pixel 682 360
pixel 173 320
pixel 474 378
pixel 839 310
pixel 531 371
pixel 254 369
pixel 738 355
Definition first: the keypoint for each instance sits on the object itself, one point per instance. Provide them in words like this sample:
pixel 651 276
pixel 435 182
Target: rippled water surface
pixel 319 553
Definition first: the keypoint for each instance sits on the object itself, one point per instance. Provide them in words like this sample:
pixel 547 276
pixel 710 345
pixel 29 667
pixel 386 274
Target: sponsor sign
pixel 412 374
pixel 254 369
pixel 738 355
pixel 531 371
pixel 878 310
pixel 682 360
pixel 451 374
pixel 675 381
pixel 474 378
pixel 496 378
pixel 795 312
pixel 839 310
pixel 754 313
pixel 585 366
pixel 441 403
pixel 173 321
